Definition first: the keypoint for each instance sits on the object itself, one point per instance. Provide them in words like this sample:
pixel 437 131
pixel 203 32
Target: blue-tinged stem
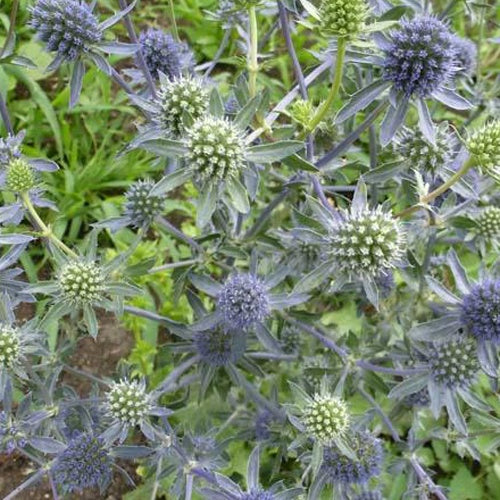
pixel 4 112
pixel 33 479
pixel 426 480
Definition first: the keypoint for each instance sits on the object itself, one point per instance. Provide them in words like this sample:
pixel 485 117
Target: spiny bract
pixel 140 206
pixel 10 346
pixel 481 310
pixel 326 418
pixel 454 362
pixel 20 176
pixel 343 18
pixel 81 282
pixel 366 242
pixel 180 97
pixel 69 27
pixel 369 457
pixel 218 347
pixel 243 301
pixel 215 149
pixel 85 463
pixel 421 56
pixel 128 402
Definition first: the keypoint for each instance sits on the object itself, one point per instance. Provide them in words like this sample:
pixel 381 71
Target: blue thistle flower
pixel 219 347
pixel 466 55
pixel 480 310
pixel 243 301
pixel 164 54
pixel 85 463
pixel 10 148
pixel 69 27
pixel 369 458
pixel 11 436
pixel 420 57
pixel 263 425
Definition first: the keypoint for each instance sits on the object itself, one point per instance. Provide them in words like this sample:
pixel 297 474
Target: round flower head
pixel 215 149
pixel 325 418
pixel 367 242
pixel 178 97
pixel 257 494
pixel 343 18
pixel 85 463
pixel 11 436
pixel 243 301
pixel 10 148
pixel 20 177
pixel 140 206
pixel 423 156
pixel 481 311
pixel 343 469
pixel 484 146
pixel 488 223
pixel 218 347
pixel 164 54
pixel 454 362
pixel 68 27
pixel 81 282
pixel 10 346
pixel 466 55
pixel 421 56
pixel 128 402
pixel 291 340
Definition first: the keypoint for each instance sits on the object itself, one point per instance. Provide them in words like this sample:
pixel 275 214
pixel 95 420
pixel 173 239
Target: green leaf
pixel 301 164
pixel 206 205
pixel 238 195
pixel 171 181
pixel 164 147
pixel 275 151
pixel 464 486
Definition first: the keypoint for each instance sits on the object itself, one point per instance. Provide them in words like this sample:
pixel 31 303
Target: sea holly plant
pixel 259 260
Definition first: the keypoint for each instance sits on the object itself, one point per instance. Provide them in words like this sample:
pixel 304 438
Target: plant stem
pixel 46 231
pixel 334 89
pixel 438 191
pixel 175 31
pixel 4 113
pixel 253 63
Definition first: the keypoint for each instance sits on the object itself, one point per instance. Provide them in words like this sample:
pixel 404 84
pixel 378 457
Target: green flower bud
pixel 326 418
pixel 484 147
pixel 128 402
pixel 81 282
pixel 302 112
pixel 10 346
pixel 488 223
pixel 343 18
pixel 20 176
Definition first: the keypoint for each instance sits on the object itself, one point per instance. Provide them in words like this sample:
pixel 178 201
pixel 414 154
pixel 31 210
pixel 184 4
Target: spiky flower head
pixel 164 54
pixel 69 27
pixel 367 242
pixel 20 176
pixel 484 147
pixel 326 418
pixel 85 463
pixel 454 362
pixel 10 148
pixel 420 154
pixel 219 347
pixel 128 402
pixel 466 55
pixel 257 494
pixel 81 282
pixel 291 339
pixel 302 112
pixel 178 97
pixel 141 206
pixel 11 436
pixel 243 301
pixel 420 57
pixel 215 149
pixel 10 346
pixel 305 255
pixel 340 468
pixel 481 310
pixel 343 18
pixel 263 423
pixel 488 223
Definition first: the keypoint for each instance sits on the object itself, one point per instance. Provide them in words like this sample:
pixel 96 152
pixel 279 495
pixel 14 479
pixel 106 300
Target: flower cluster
pixel 128 402
pixel 215 149
pixel 81 282
pixel 343 18
pixel 10 346
pixel 484 146
pixel 141 207
pixel 488 223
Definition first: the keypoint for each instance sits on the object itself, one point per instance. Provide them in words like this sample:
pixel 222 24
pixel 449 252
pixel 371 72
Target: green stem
pixel 46 231
pixel 253 63
pixel 334 89
pixel 440 190
pixel 175 31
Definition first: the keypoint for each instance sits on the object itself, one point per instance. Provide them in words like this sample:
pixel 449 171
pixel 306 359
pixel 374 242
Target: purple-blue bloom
pixel 421 56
